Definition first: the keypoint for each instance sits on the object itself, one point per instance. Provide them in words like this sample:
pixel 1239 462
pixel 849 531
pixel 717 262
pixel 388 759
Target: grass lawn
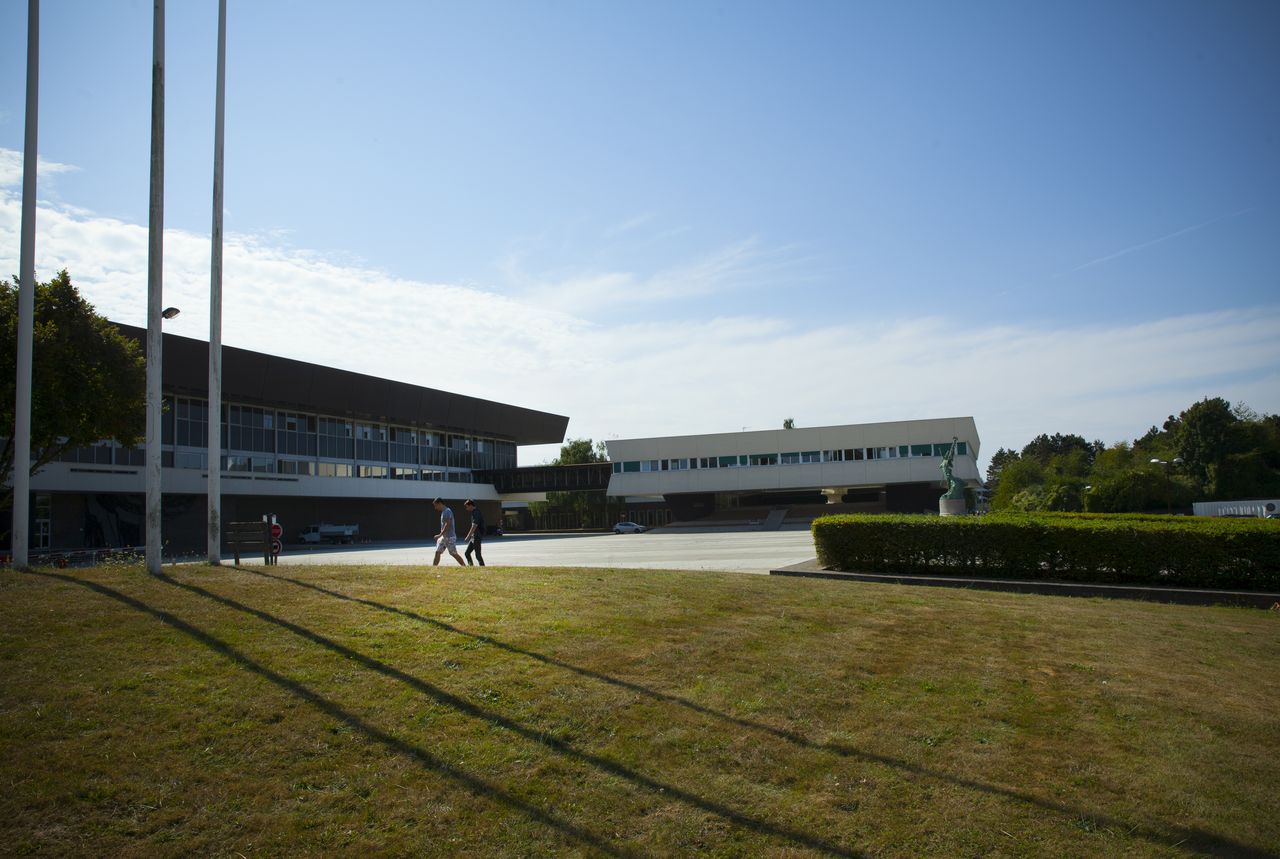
pixel 530 712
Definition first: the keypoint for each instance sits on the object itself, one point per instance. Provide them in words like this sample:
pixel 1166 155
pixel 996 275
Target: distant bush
pixel 1177 551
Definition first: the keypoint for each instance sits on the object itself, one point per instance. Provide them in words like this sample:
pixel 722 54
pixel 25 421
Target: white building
pixel 878 467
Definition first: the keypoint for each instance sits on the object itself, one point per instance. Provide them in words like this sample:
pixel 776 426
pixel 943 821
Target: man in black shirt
pixel 476 535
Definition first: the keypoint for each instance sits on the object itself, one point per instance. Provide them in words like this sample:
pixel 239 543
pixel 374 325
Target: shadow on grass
pixel 661 789
pixel 475 785
pixel 1191 840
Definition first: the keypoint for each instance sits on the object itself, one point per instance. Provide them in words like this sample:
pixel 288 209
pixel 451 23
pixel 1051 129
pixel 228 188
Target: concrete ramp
pixel 773 521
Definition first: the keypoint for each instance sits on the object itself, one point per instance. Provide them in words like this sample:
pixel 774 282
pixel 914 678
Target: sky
pixel 663 218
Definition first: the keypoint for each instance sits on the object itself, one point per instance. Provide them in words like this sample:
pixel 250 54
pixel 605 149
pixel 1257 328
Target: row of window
pixel 848 454
pixel 310 468
pixel 255 430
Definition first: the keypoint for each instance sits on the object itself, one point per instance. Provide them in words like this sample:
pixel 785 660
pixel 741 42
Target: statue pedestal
pixel 951 507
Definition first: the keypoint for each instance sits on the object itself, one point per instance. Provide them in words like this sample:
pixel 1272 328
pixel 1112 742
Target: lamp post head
pixel 1156 461
pixel 1177 460
pixel 170 312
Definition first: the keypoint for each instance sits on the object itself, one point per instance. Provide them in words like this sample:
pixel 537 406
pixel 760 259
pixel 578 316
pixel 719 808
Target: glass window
pixel 763 459
pixel 962 448
pixel 811 456
pixel 792 458
pixel 728 462
pixel 191 423
pixel 295 434
pixel 371 471
pixel 190 459
pixel 333 469
pixel 295 466
pixel 617 468
pixel 922 450
pixel 335 439
pixel 630 467
pixel 904 451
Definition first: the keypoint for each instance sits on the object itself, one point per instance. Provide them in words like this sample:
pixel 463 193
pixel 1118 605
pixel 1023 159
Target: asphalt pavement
pixel 748 552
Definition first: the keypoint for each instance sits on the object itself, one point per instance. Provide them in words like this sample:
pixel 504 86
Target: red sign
pixel 276 531
pixel 276 548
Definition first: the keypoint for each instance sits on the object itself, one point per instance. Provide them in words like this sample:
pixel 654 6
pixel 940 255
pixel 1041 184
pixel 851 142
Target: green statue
pixel 955 488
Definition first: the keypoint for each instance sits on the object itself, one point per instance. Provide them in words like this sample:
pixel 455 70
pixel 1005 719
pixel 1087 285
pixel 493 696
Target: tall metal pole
pixel 215 306
pixel 26 301
pixel 155 302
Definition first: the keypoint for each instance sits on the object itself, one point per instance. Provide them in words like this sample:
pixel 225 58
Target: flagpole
pixel 21 526
pixel 215 306
pixel 155 301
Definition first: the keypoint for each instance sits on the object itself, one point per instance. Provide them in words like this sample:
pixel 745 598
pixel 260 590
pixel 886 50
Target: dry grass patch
pixel 529 711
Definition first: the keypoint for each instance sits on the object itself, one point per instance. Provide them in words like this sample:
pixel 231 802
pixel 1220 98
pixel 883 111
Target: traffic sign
pixel 276 547
pixel 277 531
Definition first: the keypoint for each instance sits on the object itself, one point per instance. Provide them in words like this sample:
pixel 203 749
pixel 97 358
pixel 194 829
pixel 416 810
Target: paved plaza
pixel 748 552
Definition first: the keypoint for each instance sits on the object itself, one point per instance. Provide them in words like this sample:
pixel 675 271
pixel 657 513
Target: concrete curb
pixel 1181 596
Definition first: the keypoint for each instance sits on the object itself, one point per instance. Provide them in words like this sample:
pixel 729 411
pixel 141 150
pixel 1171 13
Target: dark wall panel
pixel 268 380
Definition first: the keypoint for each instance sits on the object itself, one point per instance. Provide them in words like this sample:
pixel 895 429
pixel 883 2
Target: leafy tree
pixel 580 451
pixel 788 423
pixel 1043 447
pixel 88 380
pixel 1139 489
pixel 1016 477
pixel 1160 441
pixel 1001 458
pixel 1206 439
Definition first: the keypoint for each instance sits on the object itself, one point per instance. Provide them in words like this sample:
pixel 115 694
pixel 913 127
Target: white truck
pixel 324 532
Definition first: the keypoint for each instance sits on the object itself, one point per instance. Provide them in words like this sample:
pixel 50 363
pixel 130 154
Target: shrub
pixel 1087 547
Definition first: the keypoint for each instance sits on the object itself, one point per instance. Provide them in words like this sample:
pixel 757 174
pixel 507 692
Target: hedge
pixel 1178 551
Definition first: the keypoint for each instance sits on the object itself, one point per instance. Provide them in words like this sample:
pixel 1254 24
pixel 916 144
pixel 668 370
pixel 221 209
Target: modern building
pixel 875 467
pixel 309 443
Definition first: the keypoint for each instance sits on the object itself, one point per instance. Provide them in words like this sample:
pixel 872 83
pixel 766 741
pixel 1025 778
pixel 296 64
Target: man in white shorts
pixel 448 536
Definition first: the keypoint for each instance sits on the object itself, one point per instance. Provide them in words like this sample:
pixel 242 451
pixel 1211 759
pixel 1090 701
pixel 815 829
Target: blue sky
pixel 691 217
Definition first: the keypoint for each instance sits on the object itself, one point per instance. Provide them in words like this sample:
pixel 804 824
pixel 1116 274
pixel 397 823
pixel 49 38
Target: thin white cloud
pixel 741 265
pixel 1144 245
pixel 627 226
pixel 676 375
pixel 11 168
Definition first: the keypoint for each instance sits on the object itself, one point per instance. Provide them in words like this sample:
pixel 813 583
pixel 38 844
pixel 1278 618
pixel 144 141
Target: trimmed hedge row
pixel 1159 550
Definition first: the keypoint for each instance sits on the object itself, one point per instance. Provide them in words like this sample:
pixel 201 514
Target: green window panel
pixel 630 467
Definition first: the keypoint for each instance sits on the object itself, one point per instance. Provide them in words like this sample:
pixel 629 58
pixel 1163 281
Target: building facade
pixel 306 442
pixel 874 467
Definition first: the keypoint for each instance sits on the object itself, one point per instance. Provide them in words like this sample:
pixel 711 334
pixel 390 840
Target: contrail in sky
pixel 1174 235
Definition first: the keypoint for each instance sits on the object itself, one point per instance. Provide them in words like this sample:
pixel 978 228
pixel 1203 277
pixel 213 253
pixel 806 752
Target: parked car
pixel 629 528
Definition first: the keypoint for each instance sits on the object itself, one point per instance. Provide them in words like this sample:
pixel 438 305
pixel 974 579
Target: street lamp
pixel 1168 481
pixel 170 312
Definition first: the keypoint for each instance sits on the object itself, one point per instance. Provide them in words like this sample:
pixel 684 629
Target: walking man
pixel 448 536
pixel 476 535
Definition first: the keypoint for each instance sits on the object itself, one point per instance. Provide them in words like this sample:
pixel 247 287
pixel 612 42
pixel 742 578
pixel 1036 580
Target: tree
pixel 1205 440
pixel 1017 477
pixel 1043 447
pixel 1001 458
pixel 88 380
pixel 788 423
pixel 580 451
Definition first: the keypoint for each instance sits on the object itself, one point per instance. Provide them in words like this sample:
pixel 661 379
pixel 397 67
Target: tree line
pixel 1211 451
